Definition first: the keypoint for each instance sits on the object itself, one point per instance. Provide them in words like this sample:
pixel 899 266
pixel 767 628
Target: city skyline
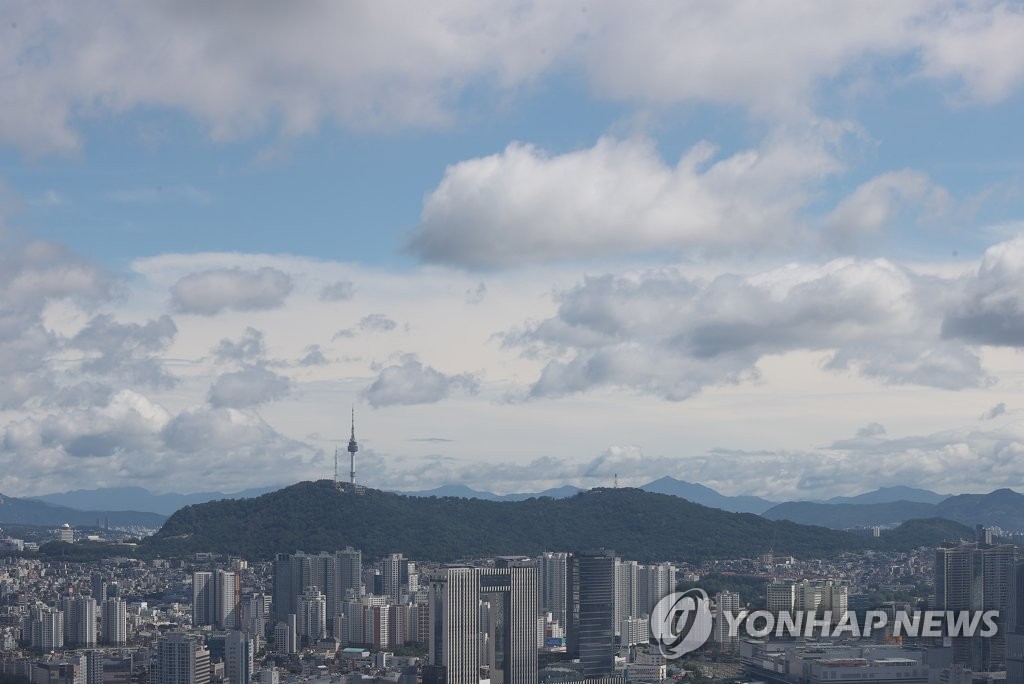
pixel 532 247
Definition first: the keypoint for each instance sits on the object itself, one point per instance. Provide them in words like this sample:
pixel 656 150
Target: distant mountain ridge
pixel 33 512
pixel 697 493
pixel 139 499
pixel 706 496
pixel 891 495
pixel 1003 508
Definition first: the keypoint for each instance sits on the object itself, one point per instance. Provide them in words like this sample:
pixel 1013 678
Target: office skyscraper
pixel 590 611
pixel 454 627
pixel 511 590
pixel 238 658
pixel 975 577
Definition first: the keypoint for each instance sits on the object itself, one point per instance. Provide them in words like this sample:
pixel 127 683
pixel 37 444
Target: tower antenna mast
pixel 337 485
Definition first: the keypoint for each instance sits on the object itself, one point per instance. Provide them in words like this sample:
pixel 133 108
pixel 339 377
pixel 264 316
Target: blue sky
pixel 575 240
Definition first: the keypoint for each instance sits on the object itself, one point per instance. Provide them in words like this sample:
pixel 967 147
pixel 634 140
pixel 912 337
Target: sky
pixel 774 248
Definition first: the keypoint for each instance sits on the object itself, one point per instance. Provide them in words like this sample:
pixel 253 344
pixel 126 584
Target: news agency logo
pixel 681 622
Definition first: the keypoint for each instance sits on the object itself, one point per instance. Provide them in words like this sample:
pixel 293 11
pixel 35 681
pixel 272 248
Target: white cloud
pixel 410 382
pixel 33 275
pixel 879 201
pixel 251 386
pixel 210 292
pixel 132 439
pixel 658 332
pixel 990 306
pixel 388 65
pixel 978 46
pixel 339 291
pixel 525 205
pixel 314 356
pixel 125 350
pixel 248 349
pixel 963 460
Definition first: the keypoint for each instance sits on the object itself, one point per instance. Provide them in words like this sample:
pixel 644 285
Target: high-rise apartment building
pixel 79 621
pixel 391 570
pixel 975 577
pixel 45 628
pixel 1013 624
pixel 338 576
pixel 627 580
pixel 114 619
pixel 551 584
pixel 727 603
pixel 181 659
pixel 312 615
pixel 350 574
pixel 203 598
pixel 227 599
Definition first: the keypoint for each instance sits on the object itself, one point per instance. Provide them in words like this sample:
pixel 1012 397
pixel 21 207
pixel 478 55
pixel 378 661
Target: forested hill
pixel 312 516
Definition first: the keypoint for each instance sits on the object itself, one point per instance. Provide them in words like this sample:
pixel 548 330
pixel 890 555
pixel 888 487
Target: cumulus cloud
pixel 476 295
pixel 247 349
pixel 524 205
pixel 377 323
pixel 398 66
pixel 314 356
pixel 410 382
pixel 131 439
pixel 251 386
pixel 371 323
pixel 339 291
pixel 659 332
pixel 210 292
pixel 126 350
pixel 34 274
pixel 994 412
pixel 879 201
pixel 990 309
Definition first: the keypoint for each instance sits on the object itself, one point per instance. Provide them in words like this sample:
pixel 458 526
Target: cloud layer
pixel 659 332
pixel 210 292
pixel 393 66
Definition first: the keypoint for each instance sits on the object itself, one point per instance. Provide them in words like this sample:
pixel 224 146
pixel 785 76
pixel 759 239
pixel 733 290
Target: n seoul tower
pixel 353 447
